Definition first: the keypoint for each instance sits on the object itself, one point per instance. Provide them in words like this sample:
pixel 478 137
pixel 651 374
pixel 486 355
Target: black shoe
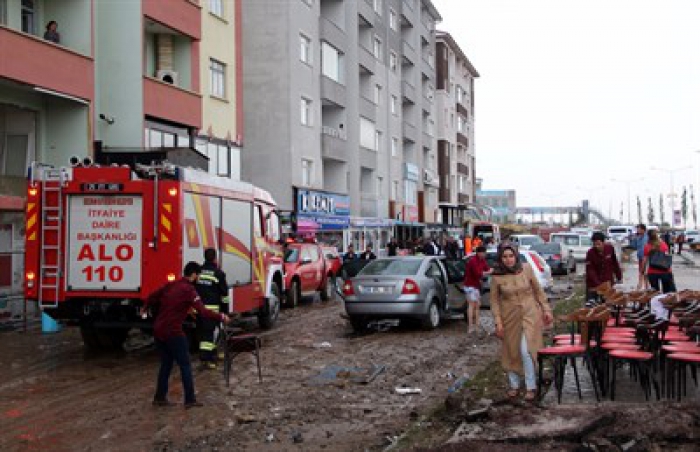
pixel 195 404
pixel 164 402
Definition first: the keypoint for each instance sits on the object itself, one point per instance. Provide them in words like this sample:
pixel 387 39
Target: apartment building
pixel 455 105
pixel 339 103
pixel 500 202
pixel 115 75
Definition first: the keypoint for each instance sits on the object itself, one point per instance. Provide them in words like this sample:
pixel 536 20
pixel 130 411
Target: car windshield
pixel 586 241
pixel 572 240
pixel 617 231
pixel 529 241
pixel 391 267
pixel 547 248
pixel 291 255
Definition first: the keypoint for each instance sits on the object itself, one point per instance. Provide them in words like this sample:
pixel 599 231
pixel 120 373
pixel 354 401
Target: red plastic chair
pixel 639 360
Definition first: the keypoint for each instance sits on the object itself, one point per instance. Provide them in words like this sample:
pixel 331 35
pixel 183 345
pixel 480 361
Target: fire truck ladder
pixel 51 225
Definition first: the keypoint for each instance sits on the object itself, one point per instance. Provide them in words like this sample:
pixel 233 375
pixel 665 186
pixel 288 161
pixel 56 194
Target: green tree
pixel 650 213
pixel 639 210
pixel 684 206
pixel 693 207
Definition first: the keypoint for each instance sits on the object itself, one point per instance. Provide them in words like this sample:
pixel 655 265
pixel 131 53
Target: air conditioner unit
pixel 167 76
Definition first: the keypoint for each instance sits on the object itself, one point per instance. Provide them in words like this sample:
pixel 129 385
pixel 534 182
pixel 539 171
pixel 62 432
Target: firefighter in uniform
pixel 213 289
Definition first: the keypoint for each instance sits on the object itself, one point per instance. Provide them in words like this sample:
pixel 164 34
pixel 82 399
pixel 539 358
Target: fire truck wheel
pixel 293 294
pixel 90 338
pixel 268 316
pixel 113 338
pixel 327 289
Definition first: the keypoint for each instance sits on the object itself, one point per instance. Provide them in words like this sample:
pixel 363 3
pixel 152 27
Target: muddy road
pixel 53 396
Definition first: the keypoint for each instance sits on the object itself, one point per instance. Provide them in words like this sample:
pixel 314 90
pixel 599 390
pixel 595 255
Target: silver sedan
pixel 401 287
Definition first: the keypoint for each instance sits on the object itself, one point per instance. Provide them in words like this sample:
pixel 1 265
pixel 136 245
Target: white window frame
pixel 393 61
pixel 377 140
pixel 216 7
pixel 377 47
pixel 217 78
pixel 394 146
pixel 378 94
pixel 394 105
pixel 305 49
pixel 377 5
pixel 306 111
pixel 307 172
pixel 393 20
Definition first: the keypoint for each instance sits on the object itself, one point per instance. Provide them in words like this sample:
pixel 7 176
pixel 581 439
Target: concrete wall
pixel 119 69
pixel 74 18
pixel 66 130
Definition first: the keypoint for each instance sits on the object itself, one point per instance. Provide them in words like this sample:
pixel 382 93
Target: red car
pixel 305 273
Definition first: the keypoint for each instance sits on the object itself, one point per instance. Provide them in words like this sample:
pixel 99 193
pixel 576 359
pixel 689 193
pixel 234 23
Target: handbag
pixel 658 260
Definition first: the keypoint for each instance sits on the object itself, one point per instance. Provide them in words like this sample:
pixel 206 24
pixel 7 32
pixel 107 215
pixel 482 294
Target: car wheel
pixel 359 323
pixel 293 294
pixel 432 318
pixel 327 289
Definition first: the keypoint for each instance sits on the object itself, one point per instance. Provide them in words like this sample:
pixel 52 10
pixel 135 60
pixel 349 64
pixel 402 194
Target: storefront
pixel 369 231
pixel 322 215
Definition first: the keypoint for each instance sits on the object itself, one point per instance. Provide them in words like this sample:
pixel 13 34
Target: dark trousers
pixel 207 347
pixel 662 279
pixel 174 350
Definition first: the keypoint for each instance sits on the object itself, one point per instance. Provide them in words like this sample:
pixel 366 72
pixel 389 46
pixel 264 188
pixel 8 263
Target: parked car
pixel 525 241
pixel 621 234
pixel 692 237
pixel 577 244
pixel 559 259
pixel 539 266
pixel 305 273
pixel 414 287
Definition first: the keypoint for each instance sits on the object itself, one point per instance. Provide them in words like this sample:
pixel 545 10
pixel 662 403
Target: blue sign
pixel 329 211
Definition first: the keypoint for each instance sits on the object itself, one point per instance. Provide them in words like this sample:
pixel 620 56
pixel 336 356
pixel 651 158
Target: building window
pixel 3 12
pixel 394 105
pixel 216 7
pixel 377 94
pixel 395 190
pixel 28 15
pixel 307 167
pixel 393 62
pixel 460 124
pixel 305 49
pixel 460 94
pixel 377 48
pixel 377 141
pixel 380 187
pixel 305 111
pixel 367 133
pixel 394 146
pixel 410 192
pixel 331 62
pixel 218 79
pixel 393 20
pixel 377 6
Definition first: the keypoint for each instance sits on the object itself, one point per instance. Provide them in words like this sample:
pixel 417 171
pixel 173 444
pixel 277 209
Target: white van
pixel 572 243
pixel 621 234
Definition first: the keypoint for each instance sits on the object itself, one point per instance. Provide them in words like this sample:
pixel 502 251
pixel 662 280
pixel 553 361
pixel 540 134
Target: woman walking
pixel 519 307
pixel 657 261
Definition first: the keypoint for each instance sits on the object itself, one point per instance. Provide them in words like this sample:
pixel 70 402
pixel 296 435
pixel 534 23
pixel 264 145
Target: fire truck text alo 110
pixel 99 240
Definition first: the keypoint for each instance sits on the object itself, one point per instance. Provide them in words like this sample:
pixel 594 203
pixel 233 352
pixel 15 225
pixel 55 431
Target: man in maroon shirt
pixel 601 265
pixel 475 269
pixel 173 302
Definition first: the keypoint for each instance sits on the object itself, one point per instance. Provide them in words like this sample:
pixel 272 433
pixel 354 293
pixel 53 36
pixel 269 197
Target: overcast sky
pixel 574 93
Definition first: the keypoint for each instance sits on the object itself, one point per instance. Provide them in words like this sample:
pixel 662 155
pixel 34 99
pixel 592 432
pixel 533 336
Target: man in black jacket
pixel 213 289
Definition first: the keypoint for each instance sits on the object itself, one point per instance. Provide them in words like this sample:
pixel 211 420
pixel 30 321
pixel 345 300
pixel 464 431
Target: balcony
pixel 409 132
pixel 461 109
pixel 165 101
pixel 408 52
pixel 333 144
pixel 462 169
pixel 462 139
pixel 42 64
pixel 408 92
pixel 463 199
pixel 333 91
pixel 366 59
pixel 331 33
pixel 428 140
pixel 366 10
pixel 368 158
pixel 182 16
pixel 367 109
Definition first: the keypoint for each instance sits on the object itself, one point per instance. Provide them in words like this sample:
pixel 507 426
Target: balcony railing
pixel 462 169
pixel 335 133
pixel 462 139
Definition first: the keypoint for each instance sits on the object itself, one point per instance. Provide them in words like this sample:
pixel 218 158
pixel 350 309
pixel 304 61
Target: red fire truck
pixel 99 240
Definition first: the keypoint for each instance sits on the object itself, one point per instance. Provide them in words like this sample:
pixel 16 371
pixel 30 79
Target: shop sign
pixel 328 211
pixel 410 214
pixel 371 222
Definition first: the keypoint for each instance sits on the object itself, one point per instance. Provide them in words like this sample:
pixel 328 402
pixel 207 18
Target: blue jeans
pixel 173 350
pixel 666 280
pixel 528 367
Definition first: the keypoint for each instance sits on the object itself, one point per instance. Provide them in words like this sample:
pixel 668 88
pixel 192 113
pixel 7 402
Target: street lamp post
pixel 629 183
pixel 672 195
